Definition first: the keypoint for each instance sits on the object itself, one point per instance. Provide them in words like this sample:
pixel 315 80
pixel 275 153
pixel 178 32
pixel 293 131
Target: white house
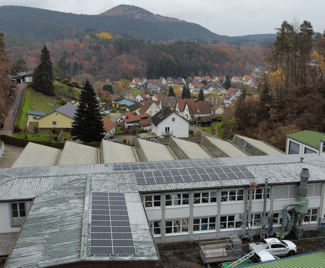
pixel 149 107
pixel 181 107
pixel 195 109
pixel 306 142
pixel 166 122
pixel 109 127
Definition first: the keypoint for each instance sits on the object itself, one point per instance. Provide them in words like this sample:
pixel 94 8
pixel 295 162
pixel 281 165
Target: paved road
pixel 196 129
pixel 10 119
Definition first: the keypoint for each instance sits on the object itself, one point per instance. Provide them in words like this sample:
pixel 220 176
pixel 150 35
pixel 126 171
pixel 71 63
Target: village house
pixel 60 118
pixel 142 97
pixel 167 123
pixel 134 120
pixel 150 107
pixel 33 116
pixel 167 102
pixel 195 109
pixel 109 127
pixel 181 106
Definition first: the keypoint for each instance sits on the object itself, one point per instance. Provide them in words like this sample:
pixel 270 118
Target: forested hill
pixel 24 25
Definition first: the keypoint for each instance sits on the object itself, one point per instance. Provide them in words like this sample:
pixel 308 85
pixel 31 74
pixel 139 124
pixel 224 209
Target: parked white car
pixel 263 256
pixel 276 247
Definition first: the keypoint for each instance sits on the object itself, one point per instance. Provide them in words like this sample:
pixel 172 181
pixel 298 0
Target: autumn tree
pixel 87 125
pixel 108 88
pixel 43 74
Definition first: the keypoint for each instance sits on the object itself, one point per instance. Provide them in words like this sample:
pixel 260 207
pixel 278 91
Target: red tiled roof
pixel 168 102
pixel 198 85
pixel 137 80
pixel 207 78
pixel 108 124
pixel 157 97
pixel 146 106
pixel 181 103
pixel 145 122
pixel 135 118
pixel 199 107
pixel 197 78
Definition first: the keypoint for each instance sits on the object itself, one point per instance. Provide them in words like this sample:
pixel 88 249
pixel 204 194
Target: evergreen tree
pixel 188 96
pixel 201 95
pixel 88 125
pixel 43 75
pixel 171 92
pixel 108 88
pixel 184 92
pixel 227 83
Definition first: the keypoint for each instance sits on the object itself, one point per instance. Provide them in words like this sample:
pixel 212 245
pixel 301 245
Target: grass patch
pixel 107 116
pixel 40 102
pixel 136 92
pixel 40 136
pixel 32 125
pixel 66 135
pixel 218 125
pixel 67 92
pixel 207 129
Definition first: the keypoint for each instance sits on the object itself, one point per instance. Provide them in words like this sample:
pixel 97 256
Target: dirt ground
pixel 186 254
pixel 10 156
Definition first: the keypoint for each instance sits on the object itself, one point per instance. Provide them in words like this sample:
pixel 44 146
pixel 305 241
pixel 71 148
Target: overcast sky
pixel 227 17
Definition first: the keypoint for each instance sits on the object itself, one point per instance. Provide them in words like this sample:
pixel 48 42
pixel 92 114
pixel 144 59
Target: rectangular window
pixel 151 201
pixel 18 213
pixel 259 194
pixel 53 123
pixel 232 195
pixel 293 148
pixel 166 129
pixel 173 119
pixel 204 224
pixel 311 216
pixel 205 197
pixel 308 151
pixel 231 221
pixel 34 118
pixel 177 226
pixel 155 227
pixel 177 199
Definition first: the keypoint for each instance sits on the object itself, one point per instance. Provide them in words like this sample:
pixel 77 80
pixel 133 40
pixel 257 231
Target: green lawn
pixel 40 136
pixel 136 92
pixel 32 125
pixel 207 129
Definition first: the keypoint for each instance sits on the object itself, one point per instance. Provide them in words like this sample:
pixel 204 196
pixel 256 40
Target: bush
pixel 63 101
pixel 114 110
pixel 36 129
pixel 198 134
pixel 55 131
pixel 190 131
pixel 124 141
pixel 17 129
pixel 120 132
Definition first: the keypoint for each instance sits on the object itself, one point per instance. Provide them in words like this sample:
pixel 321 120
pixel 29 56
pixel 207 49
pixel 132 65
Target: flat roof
pixel 35 155
pixel 226 147
pixel 77 154
pixel 311 138
pixel 154 151
pixel 117 153
pixel 313 259
pixel 191 149
pixel 264 147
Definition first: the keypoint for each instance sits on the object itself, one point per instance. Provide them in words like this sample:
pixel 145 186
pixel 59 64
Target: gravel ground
pixel 10 155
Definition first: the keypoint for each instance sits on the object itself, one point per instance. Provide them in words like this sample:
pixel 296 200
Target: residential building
pixel 134 120
pixel 181 106
pixel 109 127
pixel 33 116
pixel 169 102
pixel 196 109
pixel 142 97
pixel 22 77
pixel 150 107
pixel 306 142
pixel 60 118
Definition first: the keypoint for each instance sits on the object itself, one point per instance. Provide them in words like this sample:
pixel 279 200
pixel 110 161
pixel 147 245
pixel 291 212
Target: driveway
pixel 11 116
pixel 196 129
pixel 10 156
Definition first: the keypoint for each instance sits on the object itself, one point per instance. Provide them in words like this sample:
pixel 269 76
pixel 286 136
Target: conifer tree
pixel 184 92
pixel 188 95
pixel 171 92
pixel 201 95
pixel 227 83
pixel 43 74
pixel 87 125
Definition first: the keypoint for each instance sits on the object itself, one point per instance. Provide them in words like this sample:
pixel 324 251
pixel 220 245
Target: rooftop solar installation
pixel 195 163
pixel 110 226
pixel 192 175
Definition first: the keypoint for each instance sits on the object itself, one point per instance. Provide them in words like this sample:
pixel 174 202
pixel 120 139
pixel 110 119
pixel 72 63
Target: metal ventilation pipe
pixel 264 219
pixel 303 187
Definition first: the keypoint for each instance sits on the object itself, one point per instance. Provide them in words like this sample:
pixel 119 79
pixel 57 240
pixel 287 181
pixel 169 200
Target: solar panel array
pixel 192 175
pixel 110 226
pixel 195 163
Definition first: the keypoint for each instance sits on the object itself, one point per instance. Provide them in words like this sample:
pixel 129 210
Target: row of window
pixel 226 222
pixel 179 199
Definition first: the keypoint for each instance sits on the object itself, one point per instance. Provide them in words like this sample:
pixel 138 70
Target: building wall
pixel 62 121
pixel 279 196
pixel 302 147
pixel 153 109
pixel 31 118
pixel 179 127
pixel 5 219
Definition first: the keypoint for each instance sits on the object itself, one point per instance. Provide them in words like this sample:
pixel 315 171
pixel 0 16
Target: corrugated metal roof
pixel 314 259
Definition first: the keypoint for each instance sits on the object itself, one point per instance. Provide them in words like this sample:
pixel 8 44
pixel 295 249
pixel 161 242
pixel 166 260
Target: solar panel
pixel 192 175
pixel 185 163
pixel 110 226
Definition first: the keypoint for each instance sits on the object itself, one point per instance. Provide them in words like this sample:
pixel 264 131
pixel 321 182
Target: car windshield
pixel 284 242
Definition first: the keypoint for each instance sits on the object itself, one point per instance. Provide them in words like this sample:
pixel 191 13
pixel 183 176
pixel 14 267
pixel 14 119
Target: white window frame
pixel 177 198
pixel 236 223
pixel 151 201
pixel 177 226
pixel 259 192
pixel 206 197
pixel 155 227
pixel 235 195
pixel 311 215
pixel 18 215
pixel 209 222
pixel 167 129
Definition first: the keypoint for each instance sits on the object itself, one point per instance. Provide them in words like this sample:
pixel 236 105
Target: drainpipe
pixel 264 219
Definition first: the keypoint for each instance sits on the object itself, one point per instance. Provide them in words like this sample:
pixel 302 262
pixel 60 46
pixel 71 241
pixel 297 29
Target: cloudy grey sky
pixel 226 17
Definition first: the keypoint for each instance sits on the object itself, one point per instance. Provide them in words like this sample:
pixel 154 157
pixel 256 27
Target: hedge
pixel 22 142
pixel 92 144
